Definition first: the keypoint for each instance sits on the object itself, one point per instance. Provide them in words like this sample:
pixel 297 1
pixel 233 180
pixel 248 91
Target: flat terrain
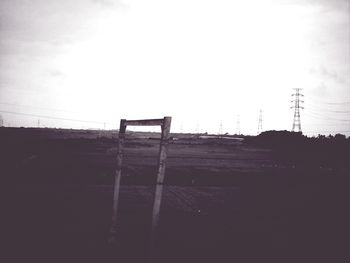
pixel 225 200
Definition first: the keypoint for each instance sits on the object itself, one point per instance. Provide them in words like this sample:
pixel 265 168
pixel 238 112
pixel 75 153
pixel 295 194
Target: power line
pixel 35 107
pixel 323 117
pixel 338 103
pixel 50 117
pixel 328 110
pixel 330 131
pixel 341 103
pixel 337 111
pixel 330 124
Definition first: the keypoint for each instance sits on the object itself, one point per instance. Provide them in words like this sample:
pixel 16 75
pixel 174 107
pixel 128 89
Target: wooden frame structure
pixel 165 128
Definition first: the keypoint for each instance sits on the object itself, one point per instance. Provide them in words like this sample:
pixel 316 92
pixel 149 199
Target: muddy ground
pixel 225 200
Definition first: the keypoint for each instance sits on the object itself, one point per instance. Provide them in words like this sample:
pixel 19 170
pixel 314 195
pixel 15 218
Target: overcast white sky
pixel 198 61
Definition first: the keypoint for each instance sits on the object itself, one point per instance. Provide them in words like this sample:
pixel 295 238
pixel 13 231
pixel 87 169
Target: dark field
pixel 225 200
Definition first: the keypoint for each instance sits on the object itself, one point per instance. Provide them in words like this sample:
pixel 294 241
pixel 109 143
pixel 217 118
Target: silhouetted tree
pixel 340 137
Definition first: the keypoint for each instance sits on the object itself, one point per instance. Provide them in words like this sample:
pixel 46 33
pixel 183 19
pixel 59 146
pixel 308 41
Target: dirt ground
pixel 224 200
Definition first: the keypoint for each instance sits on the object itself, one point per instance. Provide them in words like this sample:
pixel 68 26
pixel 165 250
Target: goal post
pixel 165 124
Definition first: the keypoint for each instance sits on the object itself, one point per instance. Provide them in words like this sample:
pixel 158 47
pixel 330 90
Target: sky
pixel 89 63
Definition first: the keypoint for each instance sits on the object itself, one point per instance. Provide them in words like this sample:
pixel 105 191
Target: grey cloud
pixel 39 29
pixel 342 5
pixel 52 22
pixel 33 32
pixel 322 89
pixel 54 73
pixel 47 21
pixel 326 5
pixel 109 3
pixel 328 74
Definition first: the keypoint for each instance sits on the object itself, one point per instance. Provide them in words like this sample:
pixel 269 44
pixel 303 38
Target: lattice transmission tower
pixel 238 126
pixel 260 128
pixel 297 106
pixel 220 128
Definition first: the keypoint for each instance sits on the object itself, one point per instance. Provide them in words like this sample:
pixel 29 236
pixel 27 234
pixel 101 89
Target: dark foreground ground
pixel 224 200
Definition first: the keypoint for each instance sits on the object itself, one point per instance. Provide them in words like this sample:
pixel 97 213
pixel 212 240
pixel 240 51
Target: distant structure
pixel 238 124
pixel 197 127
pixel 296 100
pixel 220 128
pixel 260 128
pixel 38 123
pixel 1 121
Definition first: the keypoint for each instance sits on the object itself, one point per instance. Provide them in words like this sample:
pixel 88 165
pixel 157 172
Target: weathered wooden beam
pixel 163 151
pixel 118 174
pixel 151 122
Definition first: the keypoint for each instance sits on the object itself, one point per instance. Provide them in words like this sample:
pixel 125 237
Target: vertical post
pixel 163 151
pixel 118 172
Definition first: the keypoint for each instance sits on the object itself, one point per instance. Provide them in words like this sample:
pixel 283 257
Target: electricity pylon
pixel 297 107
pixel 260 128
pixel 238 124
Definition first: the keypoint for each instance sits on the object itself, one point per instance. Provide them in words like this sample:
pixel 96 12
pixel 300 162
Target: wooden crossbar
pixel 153 122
